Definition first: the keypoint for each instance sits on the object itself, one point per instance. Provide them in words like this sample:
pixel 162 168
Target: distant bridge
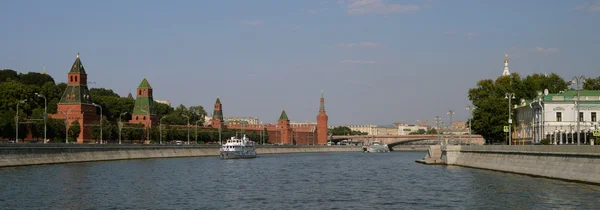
pixel 393 140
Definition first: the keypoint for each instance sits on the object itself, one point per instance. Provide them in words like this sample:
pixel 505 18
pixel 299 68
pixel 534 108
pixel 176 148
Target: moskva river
pixel 350 180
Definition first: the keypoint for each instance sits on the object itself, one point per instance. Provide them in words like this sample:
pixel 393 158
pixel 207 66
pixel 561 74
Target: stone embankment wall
pixel 35 154
pixel 568 162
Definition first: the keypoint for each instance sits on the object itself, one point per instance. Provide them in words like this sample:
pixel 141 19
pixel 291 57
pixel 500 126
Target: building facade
pixel 284 132
pixel 239 120
pixel 76 103
pixel 144 110
pixel 554 117
pixel 406 129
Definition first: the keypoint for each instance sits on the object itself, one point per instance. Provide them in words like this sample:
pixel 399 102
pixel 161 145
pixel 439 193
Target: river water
pixel 351 180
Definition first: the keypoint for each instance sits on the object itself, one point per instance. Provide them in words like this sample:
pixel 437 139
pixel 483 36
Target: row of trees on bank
pixel 16 87
pixel 491 112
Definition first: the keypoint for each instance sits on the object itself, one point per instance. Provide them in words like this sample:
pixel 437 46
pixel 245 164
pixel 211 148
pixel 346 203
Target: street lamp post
pixel 450 112
pixel 470 109
pixel 147 126
pixel 509 96
pixel 67 124
pixel 120 126
pixel 45 113
pixel 100 120
pixel 17 120
pixel 578 80
pixel 438 119
pixel 188 128
pixel 160 128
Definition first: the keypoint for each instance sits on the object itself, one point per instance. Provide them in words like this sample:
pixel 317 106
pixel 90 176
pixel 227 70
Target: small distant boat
pixel 238 148
pixel 376 147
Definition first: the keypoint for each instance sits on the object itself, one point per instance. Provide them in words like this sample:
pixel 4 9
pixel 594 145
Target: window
pixel 139 92
pixel 144 117
pixel 593 116
pixel 137 118
pixel 75 78
pixel 144 92
pixel 580 116
pixel 71 78
pixel 559 117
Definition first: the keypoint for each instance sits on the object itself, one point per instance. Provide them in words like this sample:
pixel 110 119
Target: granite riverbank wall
pixel 568 162
pixel 36 154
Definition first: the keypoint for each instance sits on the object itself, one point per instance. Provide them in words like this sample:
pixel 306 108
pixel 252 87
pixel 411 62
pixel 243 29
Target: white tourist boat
pixel 377 147
pixel 238 148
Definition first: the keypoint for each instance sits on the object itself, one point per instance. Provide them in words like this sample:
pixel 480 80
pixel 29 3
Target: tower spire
pixel 505 72
pixel 322 107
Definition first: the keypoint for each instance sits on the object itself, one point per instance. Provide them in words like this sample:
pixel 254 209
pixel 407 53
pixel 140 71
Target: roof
pixel 144 105
pixel 571 95
pixel 145 84
pixel 587 97
pixel 283 116
pixel 77 66
pixel 76 94
pixel 218 101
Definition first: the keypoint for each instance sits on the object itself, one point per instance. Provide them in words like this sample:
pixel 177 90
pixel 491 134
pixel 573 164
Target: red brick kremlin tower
pixel 284 125
pixel 217 118
pixel 322 123
pixel 143 112
pixel 76 102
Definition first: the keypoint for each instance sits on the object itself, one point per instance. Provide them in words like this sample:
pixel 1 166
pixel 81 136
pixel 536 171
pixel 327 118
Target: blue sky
pixel 378 61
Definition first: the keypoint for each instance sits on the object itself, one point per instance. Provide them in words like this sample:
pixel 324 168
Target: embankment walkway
pixel 36 154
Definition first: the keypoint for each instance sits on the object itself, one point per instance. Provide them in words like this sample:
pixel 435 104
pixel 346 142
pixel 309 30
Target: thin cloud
pixel 357 45
pixel 546 50
pixel 360 7
pixel 589 7
pixel 357 62
pixel 252 22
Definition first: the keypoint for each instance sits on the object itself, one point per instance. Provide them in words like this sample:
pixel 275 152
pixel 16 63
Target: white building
pixel 167 102
pixel 406 129
pixel 238 120
pixel 553 117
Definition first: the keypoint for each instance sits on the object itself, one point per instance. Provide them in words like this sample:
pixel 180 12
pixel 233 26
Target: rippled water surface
pixel 286 181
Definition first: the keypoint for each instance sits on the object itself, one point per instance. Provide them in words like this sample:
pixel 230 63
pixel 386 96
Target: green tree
pixel 432 131
pixel 36 126
pixel 8 75
pixel 74 130
pixel 591 84
pixel 491 113
pixel 56 129
pixel 34 78
pixel 418 132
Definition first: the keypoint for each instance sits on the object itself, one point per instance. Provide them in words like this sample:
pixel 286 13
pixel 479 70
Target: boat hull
pixel 237 155
pixel 377 149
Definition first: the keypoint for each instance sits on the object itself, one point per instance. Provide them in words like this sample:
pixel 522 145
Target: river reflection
pixel 287 181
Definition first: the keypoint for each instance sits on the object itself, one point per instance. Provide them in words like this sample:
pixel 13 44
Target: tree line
pixel 491 107
pixel 21 89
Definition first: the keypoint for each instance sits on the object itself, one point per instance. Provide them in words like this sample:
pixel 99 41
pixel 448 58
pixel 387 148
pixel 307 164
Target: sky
pixel 377 61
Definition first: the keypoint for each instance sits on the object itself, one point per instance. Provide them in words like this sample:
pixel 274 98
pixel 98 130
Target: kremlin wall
pixel 76 105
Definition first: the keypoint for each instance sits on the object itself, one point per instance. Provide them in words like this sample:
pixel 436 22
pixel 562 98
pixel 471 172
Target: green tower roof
pixel 218 101
pixel 77 66
pixel 283 116
pixel 145 84
pixel 76 94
